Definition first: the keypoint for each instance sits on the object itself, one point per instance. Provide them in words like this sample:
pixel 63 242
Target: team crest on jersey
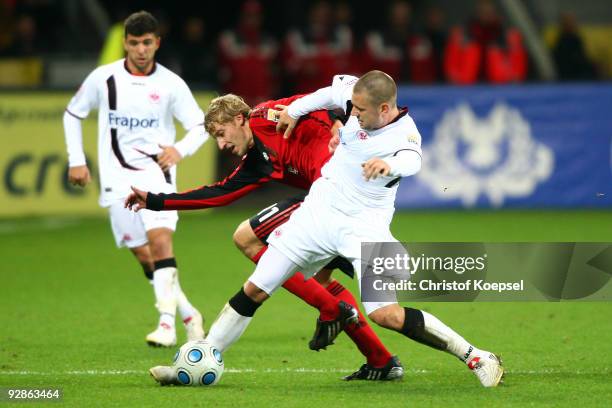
pixel 362 135
pixel 154 97
pixel 496 157
pixel 292 170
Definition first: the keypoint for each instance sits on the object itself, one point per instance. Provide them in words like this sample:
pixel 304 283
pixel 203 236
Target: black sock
pixel 243 305
pixel 147 271
pixel 164 263
pixel 414 328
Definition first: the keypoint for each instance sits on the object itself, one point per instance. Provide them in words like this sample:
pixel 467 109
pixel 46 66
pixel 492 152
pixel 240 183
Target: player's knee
pixel 246 240
pixel 389 317
pixel 142 254
pixel 160 244
pixel 161 249
pixel 254 292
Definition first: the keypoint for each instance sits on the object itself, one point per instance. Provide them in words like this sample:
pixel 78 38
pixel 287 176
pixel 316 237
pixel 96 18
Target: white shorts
pixel 317 232
pixel 130 228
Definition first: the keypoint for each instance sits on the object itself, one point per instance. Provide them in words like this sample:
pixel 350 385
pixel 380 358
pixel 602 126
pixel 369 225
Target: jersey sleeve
pixel 404 163
pixel 342 90
pixel 184 106
pixel 87 97
pixel 332 97
pixel 186 110
pixel 406 160
pixel 412 139
pixel 244 179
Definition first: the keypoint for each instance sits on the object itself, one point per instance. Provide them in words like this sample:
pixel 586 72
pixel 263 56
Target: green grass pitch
pixel 74 311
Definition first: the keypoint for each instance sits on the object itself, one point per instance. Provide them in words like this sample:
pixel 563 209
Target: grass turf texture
pixel 75 310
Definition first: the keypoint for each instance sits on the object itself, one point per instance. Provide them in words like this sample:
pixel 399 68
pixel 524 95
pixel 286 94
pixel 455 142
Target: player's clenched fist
pixel 79 175
pixel 137 200
pixel 375 167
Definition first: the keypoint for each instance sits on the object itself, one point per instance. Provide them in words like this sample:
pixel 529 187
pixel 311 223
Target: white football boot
pixel 163 336
pixel 488 368
pixel 195 328
pixel 164 375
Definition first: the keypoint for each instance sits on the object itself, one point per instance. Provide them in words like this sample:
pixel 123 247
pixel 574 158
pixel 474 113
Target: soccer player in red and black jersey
pixel 267 156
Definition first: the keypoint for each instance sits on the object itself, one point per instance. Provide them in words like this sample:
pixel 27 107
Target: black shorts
pixel 266 221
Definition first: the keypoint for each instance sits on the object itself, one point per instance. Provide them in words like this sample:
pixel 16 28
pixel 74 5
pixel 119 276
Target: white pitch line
pixel 284 370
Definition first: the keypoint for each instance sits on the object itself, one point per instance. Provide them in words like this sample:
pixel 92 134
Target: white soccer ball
pixel 198 363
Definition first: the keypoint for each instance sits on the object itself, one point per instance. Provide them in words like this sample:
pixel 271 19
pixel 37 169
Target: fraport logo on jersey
pixel 495 156
pixel 132 123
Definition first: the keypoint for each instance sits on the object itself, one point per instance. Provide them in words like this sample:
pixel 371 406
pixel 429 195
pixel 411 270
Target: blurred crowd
pixel 249 58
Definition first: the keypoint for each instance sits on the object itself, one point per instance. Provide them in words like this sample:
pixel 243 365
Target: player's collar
pixel 402 112
pixel 138 74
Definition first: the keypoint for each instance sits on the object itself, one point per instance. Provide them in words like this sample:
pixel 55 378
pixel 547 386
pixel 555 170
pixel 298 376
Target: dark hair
pixel 141 23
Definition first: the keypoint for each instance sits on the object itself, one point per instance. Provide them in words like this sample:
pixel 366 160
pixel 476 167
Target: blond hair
pixel 223 109
pixel 378 86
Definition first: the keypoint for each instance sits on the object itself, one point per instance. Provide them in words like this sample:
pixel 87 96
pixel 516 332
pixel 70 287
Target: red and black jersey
pixel 296 161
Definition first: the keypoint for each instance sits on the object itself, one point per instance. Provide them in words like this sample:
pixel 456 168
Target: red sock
pixel 310 291
pixel 362 334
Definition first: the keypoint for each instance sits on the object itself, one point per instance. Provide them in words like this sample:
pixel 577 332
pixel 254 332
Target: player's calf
pixel 389 317
pixel 426 329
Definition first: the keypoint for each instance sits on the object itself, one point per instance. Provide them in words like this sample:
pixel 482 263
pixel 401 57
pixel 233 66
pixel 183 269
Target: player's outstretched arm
pixel 244 179
pixel 331 97
pixel 405 163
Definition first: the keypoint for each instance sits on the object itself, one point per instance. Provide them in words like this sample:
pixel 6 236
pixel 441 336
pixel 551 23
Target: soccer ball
pixel 198 363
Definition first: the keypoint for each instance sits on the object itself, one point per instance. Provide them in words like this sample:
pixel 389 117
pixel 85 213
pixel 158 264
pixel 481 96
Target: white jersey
pixel 358 145
pixel 135 117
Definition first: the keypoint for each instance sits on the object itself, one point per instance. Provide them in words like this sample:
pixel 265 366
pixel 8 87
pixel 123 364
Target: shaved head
pixel 379 88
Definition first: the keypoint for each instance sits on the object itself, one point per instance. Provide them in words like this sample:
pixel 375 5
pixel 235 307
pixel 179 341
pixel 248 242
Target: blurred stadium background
pixel 512 98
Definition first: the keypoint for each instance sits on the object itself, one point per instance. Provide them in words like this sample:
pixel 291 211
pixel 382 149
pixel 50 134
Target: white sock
pixel 185 308
pixel 163 286
pixel 228 328
pixel 455 344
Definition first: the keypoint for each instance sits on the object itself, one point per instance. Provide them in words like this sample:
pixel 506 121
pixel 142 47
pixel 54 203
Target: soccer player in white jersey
pixel 137 100
pixel 352 202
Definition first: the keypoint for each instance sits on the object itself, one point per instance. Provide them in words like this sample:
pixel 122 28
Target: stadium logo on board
pixel 495 156
pixel 362 135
